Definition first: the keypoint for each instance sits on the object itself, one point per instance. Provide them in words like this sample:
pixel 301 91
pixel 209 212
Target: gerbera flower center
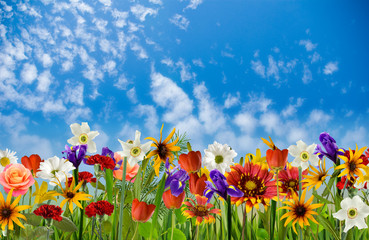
pixel 300 211
pixel 70 194
pixel 6 213
pixel 352 166
pixel 292 183
pixel 83 138
pixel 251 186
pixel 162 151
pixel 135 151
pixel 352 213
pixel 4 161
pixel 304 156
pixel 219 159
pixel 201 211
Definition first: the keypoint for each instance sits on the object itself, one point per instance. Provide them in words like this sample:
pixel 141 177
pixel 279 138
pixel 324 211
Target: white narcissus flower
pixel 354 211
pixel 303 154
pixel 83 135
pixel 7 157
pixel 219 156
pixel 54 169
pixel 135 151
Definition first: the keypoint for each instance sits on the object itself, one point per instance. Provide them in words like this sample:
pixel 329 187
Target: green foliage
pixel 145 229
pixel 177 234
pixel 66 225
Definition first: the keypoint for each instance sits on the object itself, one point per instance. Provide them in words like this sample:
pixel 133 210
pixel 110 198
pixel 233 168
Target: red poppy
pixel 141 211
pixel 86 176
pixel 190 162
pixel 103 161
pixel 100 208
pixel 276 159
pixel 32 163
pixel 197 184
pixel 49 211
pixel 171 201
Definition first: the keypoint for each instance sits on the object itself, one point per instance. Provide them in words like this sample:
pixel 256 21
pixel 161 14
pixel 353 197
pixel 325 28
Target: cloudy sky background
pixel 230 71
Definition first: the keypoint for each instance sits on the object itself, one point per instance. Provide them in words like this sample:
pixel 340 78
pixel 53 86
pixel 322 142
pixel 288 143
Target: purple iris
pixel 72 155
pixel 330 146
pixel 222 188
pixel 109 153
pixel 176 180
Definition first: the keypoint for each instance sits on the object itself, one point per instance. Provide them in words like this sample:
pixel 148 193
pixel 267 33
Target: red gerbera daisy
pixel 201 210
pixel 100 208
pixel 255 181
pixel 103 161
pixel 49 211
pixel 289 180
pixel 86 176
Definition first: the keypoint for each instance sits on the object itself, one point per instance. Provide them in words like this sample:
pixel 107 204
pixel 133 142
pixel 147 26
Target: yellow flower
pixel 163 149
pixel 317 177
pixel 352 165
pixel 41 194
pixel 299 211
pixel 72 196
pixel 256 158
pixel 9 212
pixel 269 144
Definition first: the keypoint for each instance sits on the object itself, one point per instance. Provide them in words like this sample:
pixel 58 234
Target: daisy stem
pixel 229 216
pixel 300 192
pixel 120 222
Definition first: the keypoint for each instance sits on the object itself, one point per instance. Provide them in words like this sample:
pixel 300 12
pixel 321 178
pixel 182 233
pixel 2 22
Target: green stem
pixel 134 235
pixel 197 232
pixel 229 217
pixel 277 228
pixel 173 223
pixel 48 233
pixel 95 199
pixel 81 222
pixel 244 223
pixel 300 192
pixel 120 222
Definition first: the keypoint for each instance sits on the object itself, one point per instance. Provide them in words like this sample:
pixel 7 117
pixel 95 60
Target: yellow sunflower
pixel 41 194
pixel 163 149
pixel 9 212
pixel 299 211
pixel 317 177
pixel 352 165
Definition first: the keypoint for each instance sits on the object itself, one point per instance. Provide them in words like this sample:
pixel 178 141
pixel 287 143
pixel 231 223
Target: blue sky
pixel 230 71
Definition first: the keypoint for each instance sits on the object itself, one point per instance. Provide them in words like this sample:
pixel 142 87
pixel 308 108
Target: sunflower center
pixel 250 185
pixel 201 211
pixel 219 159
pixel 304 156
pixel 162 151
pixel 300 211
pixel 83 138
pixel 352 166
pixel 4 161
pixel 135 151
pixel 70 194
pixel 5 213
pixel 352 213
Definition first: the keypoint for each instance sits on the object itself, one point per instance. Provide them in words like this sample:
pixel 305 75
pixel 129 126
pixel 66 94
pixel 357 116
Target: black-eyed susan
pixel 9 212
pixel 163 149
pixel 353 164
pixel 300 211
pixel 316 177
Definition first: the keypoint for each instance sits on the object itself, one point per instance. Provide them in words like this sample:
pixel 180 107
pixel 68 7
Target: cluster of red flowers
pixel 99 208
pixel 49 211
pixel 104 161
pixel 86 176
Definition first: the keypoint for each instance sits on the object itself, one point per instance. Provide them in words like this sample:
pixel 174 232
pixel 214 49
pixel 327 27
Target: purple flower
pixel 176 180
pixel 330 146
pixel 72 155
pixel 222 188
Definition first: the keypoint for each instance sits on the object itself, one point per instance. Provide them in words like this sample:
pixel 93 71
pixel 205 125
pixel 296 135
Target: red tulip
pixel 171 201
pixel 276 159
pixel 32 163
pixel 197 184
pixel 141 211
pixel 190 162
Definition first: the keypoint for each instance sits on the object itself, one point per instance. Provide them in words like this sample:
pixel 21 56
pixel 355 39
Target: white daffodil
pixel 303 154
pixel 83 135
pixel 134 151
pixel 54 169
pixel 354 211
pixel 219 156
pixel 7 157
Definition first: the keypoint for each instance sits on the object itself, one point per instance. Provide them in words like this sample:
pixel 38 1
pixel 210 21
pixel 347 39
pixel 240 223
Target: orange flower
pixel 190 162
pixel 131 172
pixel 201 210
pixel 32 163
pixel 276 159
pixel 197 184
pixel 171 201
pixel 141 211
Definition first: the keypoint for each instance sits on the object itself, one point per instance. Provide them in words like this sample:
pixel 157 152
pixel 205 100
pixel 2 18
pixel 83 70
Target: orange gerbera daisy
pixel 163 149
pixel 201 210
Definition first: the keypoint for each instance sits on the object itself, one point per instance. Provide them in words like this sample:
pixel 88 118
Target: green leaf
pixel 322 199
pixel 66 225
pixel 41 233
pixel 33 219
pixel 106 227
pixel 109 184
pixel 328 226
pixel 330 183
pixel 179 217
pixel 145 229
pixel 158 199
pixel 128 197
pixel 138 180
pixel 99 185
pixel 262 234
pixel 177 234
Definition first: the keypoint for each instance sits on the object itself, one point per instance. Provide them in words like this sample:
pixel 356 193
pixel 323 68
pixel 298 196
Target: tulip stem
pixel 120 222
pixel 134 235
pixel 173 223
pixel 300 192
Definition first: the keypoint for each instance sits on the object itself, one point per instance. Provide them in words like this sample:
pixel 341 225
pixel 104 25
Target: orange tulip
pixel 190 162
pixel 32 163
pixel 276 159
pixel 171 201
pixel 141 211
pixel 197 184
pixel 131 171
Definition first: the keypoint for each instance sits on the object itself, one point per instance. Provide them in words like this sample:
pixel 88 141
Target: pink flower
pixel 130 171
pixel 18 177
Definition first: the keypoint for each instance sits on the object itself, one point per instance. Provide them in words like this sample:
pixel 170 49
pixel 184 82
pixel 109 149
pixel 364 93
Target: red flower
pixel 289 180
pixel 197 184
pixel 200 209
pixel 86 176
pixel 350 183
pixel 171 201
pixel 32 163
pixel 49 211
pixel 103 161
pixel 190 162
pixel 276 159
pixel 100 208
pixel 141 211
pixel 362 157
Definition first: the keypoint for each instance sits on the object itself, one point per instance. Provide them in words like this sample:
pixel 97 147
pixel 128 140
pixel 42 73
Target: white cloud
pixel 74 93
pixel 185 71
pixel 100 24
pixel 246 122
pixel 257 103
pixel 46 60
pixel 315 57
pixel 193 129
pixel 309 46
pixel 194 4
pixel 198 62
pixel 271 123
pixel 167 61
pixel 122 82
pixel 151 119
pixel 109 67
pixel 357 135
pixel 29 73
pixel 139 50
pixel 33 144
pixel 258 68
pixel 67 66
pixel 297 133
pixel 330 68
pixel 307 77
pixel 102 140
pixel 141 12
pixel 17 50
pixel 226 54
pixel 180 21
pixel 54 106
pixel 291 109
pixel 131 94
pixel 107 3
pixel 159 2
pixel 120 18
pixel 318 117
pixel 44 81
pixel 14 122
pixel 232 100
pixel 77 114
pixel 272 68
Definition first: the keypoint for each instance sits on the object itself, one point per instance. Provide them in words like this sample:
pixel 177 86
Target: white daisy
pixel 83 135
pixel 303 154
pixel 219 156
pixel 354 211
pixel 7 157
pixel 54 169
pixel 134 151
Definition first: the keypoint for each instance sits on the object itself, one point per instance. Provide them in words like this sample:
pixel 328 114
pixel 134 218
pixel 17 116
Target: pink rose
pixel 18 177
pixel 131 171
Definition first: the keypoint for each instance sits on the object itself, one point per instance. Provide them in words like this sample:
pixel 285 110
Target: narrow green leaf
pixel 322 199
pixel 328 226
pixel 138 181
pixel 109 183
pixel 330 183
pixel 66 225
pixel 158 199
pixel 99 185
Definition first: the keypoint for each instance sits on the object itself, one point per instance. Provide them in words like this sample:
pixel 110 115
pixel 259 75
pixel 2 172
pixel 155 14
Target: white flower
pixel 303 154
pixel 354 211
pixel 135 151
pixel 54 169
pixel 83 135
pixel 219 156
pixel 7 157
